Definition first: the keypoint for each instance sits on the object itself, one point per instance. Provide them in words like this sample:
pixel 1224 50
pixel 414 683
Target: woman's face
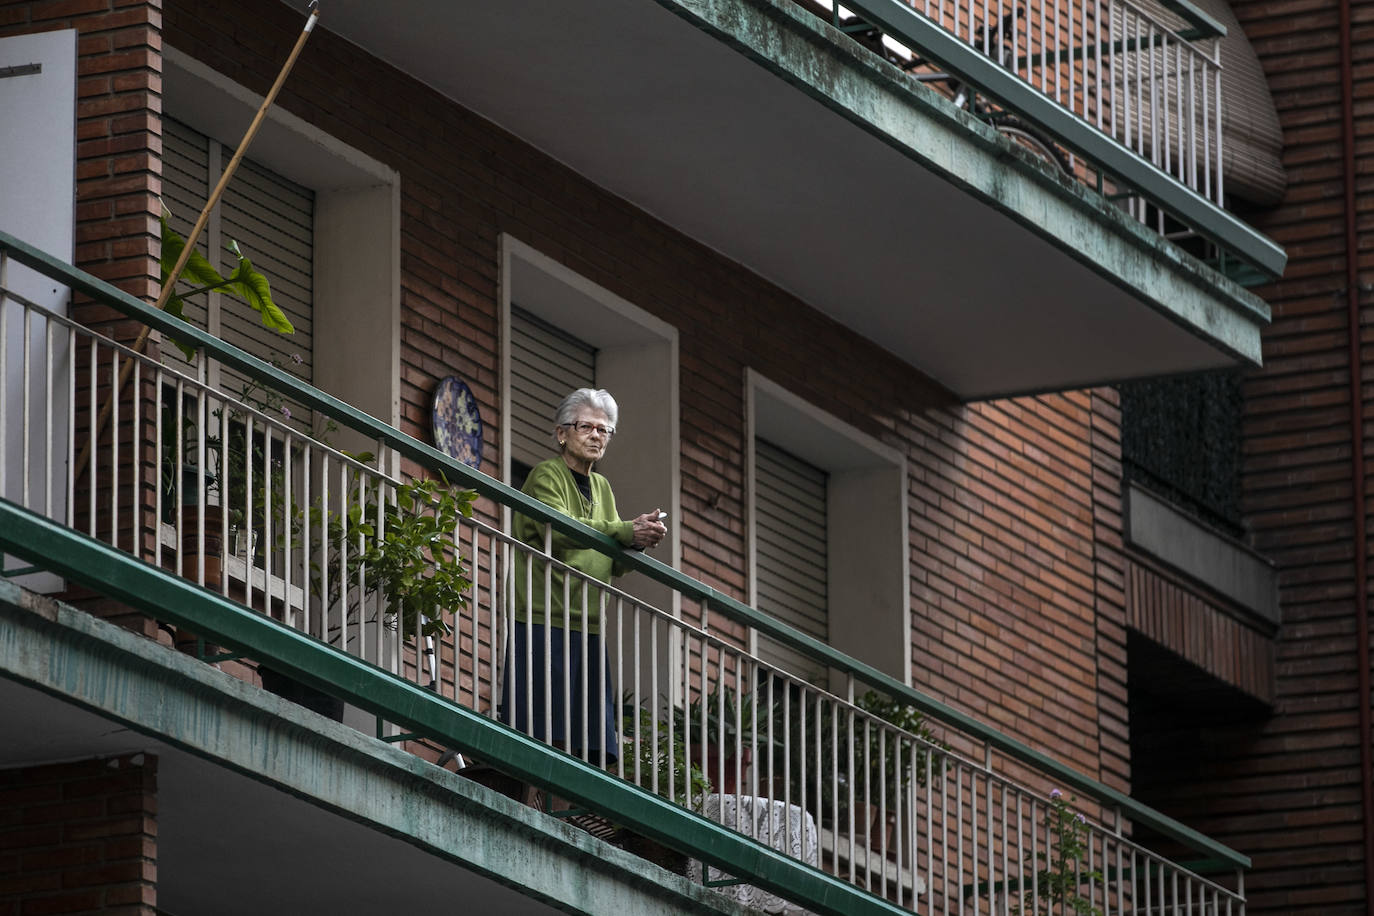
pixel 582 449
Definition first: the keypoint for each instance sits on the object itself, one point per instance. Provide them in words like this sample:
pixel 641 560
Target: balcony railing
pixel 945 815
pixel 1128 94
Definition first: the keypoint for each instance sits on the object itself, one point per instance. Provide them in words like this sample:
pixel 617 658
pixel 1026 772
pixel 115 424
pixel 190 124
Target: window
pixel 328 218
pixel 553 314
pixel 791 549
pixel 353 259
pixel 272 220
pixel 828 533
pixel 545 364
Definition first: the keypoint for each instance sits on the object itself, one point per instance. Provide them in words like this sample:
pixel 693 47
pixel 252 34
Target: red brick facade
pixel 79 838
pixel 1285 787
pixel 1002 495
pixel 1020 587
pixel 1202 628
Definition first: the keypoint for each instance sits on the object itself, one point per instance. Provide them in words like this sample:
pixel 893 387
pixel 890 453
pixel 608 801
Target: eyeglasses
pixel 586 428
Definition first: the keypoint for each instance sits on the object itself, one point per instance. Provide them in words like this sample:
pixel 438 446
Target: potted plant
pixel 885 772
pixel 725 749
pixel 189 493
pixel 668 760
pixel 411 563
pixel 876 773
pixel 245 283
pixel 200 494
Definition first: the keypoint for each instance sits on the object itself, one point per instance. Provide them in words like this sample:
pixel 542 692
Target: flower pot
pixel 708 758
pixel 202 528
pixel 882 832
pixel 241 544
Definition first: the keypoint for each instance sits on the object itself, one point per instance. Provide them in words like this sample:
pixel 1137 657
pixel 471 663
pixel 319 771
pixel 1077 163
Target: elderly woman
pixel 562 637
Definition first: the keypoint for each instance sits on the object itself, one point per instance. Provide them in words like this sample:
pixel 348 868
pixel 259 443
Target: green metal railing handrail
pixel 907 25
pixel 456 472
pixel 163 595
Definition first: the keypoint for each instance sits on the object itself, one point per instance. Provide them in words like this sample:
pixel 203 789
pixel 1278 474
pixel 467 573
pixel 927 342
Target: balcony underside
pixel 247 782
pixel 747 126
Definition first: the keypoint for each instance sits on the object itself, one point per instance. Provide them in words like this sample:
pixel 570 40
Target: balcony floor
pixel 744 125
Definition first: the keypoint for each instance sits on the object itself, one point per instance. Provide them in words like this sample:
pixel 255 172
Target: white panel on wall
pixel 37 199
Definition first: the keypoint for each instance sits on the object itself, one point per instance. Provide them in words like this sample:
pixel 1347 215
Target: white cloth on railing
pixel 790 829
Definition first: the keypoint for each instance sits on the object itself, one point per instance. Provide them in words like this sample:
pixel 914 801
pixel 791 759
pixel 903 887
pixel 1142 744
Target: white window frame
pixel 357 264
pixel 357 247
pixel 868 565
pixel 637 361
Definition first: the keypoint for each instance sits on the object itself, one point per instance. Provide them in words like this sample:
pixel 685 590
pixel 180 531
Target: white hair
pixel 595 398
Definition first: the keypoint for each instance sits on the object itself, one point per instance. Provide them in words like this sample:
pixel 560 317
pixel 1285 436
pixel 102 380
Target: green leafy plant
pixel 668 758
pixel 247 284
pixel 244 282
pixel 404 549
pixel 878 766
pixel 882 757
pixel 230 454
pixel 750 708
pixel 1060 870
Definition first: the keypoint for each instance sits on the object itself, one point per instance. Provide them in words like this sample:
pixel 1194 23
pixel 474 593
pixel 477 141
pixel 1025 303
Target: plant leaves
pixel 176 307
pixel 197 269
pixel 253 288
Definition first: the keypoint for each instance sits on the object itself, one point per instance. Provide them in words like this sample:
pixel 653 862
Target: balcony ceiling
pixel 901 223
pixel 228 844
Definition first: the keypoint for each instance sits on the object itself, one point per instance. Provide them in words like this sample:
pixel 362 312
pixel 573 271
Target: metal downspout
pixel 1357 463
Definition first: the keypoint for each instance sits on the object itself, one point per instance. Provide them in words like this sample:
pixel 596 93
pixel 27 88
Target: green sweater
pixel 552 483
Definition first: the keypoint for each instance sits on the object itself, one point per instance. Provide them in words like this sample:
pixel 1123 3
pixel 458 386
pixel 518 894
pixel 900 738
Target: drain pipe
pixel 1357 464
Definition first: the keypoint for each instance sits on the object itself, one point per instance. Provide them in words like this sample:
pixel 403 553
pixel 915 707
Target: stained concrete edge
pixel 167 695
pixel 921 124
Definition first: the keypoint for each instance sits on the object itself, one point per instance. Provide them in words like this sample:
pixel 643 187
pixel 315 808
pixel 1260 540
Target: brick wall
pixel 1006 581
pixel 1015 527
pixel 1110 567
pixel 1285 788
pixel 79 838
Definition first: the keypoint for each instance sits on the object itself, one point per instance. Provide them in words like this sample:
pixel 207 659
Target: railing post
pixel 4 354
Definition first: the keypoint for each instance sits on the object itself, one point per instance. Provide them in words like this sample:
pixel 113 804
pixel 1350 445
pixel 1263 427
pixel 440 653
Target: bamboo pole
pixel 199 227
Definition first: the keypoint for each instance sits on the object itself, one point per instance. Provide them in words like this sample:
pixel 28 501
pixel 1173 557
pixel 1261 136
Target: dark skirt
pixel 526 661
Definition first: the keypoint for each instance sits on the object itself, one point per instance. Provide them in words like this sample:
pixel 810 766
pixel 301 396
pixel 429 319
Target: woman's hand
pixel 648 530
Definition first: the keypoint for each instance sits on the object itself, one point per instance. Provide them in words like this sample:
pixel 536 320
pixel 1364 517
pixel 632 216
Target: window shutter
pixel 546 365
pixel 185 188
pixel 791 556
pixel 272 219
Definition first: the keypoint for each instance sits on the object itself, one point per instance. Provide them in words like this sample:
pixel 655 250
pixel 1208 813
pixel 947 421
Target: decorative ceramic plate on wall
pixel 457 422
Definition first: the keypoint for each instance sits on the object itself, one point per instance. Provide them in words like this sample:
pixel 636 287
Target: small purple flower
pixel 1055 794
pixel 297 358
pixel 286 412
pixel 1080 818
